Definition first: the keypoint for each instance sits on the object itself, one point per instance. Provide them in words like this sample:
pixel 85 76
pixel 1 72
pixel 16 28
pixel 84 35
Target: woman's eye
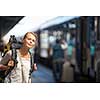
pixel 33 40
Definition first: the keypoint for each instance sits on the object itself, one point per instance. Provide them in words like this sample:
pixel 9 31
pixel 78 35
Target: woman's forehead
pixel 30 35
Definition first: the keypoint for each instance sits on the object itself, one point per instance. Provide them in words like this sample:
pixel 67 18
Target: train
pixel 85 31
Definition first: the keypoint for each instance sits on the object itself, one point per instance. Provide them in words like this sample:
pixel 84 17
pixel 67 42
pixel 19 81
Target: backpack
pixel 13 46
pixel 4 73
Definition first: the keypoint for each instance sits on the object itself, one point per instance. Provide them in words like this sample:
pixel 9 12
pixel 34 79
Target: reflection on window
pixel 44 40
pixel 68 37
pixel 44 44
pixel 52 39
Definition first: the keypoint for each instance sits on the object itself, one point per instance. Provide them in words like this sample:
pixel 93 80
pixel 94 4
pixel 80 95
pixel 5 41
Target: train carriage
pixel 85 32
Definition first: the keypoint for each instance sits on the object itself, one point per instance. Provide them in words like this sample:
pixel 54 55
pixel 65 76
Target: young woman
pixel 21 73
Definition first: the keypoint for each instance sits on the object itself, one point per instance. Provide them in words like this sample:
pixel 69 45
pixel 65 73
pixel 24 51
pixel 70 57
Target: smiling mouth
pixel 30 45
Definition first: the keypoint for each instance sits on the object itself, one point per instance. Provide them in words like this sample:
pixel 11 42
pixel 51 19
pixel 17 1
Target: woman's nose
pixel 31 41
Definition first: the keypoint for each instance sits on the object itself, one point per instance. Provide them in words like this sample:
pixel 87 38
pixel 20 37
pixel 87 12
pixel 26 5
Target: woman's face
pixel 29 41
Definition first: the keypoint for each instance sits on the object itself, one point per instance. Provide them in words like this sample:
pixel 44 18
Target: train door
pixel 84 38
pixel 91 45
pixel 78 45
pixel 97 61
pixel 81 44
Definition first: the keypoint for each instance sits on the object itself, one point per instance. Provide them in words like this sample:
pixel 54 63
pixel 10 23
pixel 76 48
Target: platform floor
pixel 42 75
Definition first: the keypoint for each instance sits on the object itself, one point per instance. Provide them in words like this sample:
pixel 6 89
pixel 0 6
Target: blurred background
pixel 68 46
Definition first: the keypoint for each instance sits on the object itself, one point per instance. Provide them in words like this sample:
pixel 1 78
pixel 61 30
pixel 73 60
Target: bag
pixel 14 46
pixel 67 73
pixel 10 46
pixel 4 73
pixel 2 76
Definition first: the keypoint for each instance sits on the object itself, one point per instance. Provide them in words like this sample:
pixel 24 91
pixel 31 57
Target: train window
pixel 44 45
pixel 44 40
pixel 72 25
pixel 52 39
pixel 68 37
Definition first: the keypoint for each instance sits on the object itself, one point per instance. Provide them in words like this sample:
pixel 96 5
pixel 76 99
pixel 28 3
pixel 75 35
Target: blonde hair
pixel 32 34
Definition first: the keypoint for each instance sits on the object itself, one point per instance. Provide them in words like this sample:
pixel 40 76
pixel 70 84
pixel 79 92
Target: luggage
pixel 67 73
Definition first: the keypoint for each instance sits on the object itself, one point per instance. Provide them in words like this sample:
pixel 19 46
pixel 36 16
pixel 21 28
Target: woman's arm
pixel 3 67
pixel 4 61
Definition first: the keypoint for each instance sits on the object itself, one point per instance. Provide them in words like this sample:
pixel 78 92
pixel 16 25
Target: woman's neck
pixel 23 51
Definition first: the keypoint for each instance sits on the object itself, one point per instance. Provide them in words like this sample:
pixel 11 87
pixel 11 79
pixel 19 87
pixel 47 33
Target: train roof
pixel 57 21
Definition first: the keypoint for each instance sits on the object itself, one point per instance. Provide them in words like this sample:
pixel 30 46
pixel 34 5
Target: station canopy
pixel 56 21
pixel 26 24
pixel 7 23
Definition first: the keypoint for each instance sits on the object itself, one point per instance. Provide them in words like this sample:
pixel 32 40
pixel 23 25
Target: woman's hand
pixel 34 67
pixel 10 63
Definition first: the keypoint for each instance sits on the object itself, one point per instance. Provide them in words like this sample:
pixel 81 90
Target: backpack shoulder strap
pixel 31 62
